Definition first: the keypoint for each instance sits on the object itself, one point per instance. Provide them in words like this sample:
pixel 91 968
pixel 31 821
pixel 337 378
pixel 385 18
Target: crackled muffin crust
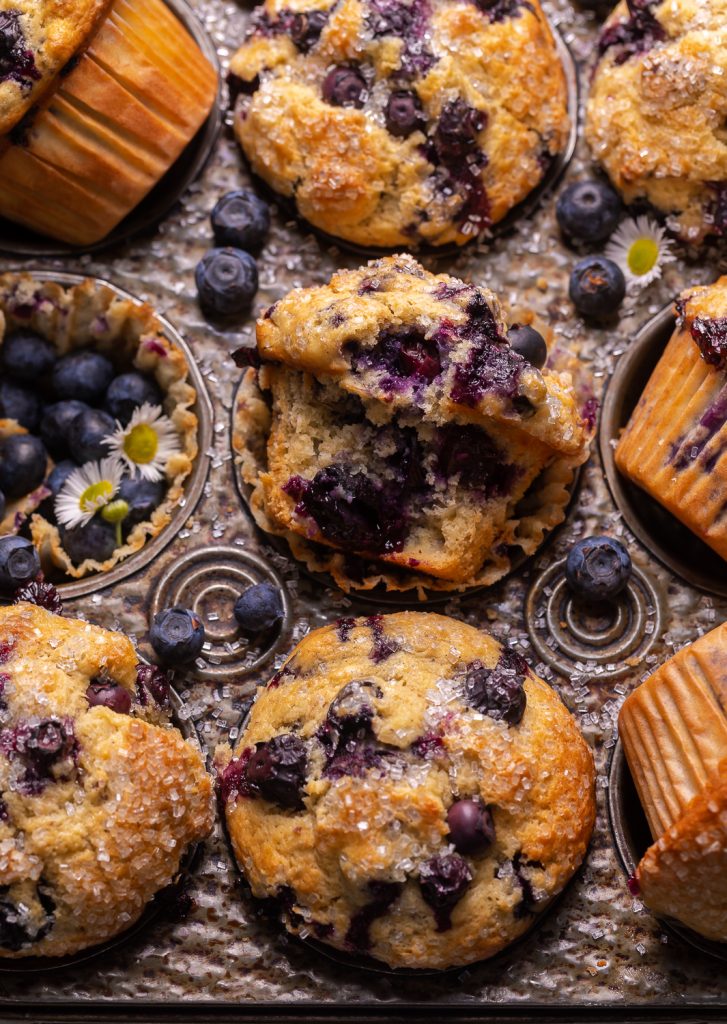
pixel 657 108
pixel 37 39
pixel 339 797
pixel 92 315
pixel 400 122
pixel 675 443
pixel 97 806
pixel 390 419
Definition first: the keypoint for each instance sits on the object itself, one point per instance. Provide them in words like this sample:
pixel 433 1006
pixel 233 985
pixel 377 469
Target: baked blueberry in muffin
pixel 100 796
pixel 392 420
pixel 97 429
pixel 657 107
pixel 675 443
pixel 408 789
pixel 400 122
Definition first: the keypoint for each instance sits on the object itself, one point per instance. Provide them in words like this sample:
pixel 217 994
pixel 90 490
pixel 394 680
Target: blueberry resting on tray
pixel 397 431
pixel 97 433
pixel 387 814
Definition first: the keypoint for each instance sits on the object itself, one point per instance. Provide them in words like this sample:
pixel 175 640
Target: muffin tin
pixel 598 953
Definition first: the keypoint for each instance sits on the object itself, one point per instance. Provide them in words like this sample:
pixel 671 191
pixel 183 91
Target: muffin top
pixel 37 39
pixel 406 788
pixel 100 796
pixel 702 312
pixel 400 122
pixel 657 108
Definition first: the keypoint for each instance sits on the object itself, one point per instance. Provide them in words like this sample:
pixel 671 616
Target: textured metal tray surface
pixel 599 948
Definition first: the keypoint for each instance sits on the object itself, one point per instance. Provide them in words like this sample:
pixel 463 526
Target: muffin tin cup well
pixel 659 531
pixel 379 595
pixel 368 963
pixel 632 838
pixel 193 485
pixel 525 208
pixel 19 241
pixel 155 909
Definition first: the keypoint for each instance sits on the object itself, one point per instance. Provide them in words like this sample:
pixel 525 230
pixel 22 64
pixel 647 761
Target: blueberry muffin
pixel 400 122
pixel 674 731
pixel 98 98
pixel 406 788
pixel 392 421
pixel 79 365
pixel 675 442
pixel 101 797
pixel 657 108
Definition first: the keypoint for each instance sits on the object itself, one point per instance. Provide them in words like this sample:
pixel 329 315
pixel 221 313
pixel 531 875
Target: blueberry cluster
pixel 69 405
pixel 226 276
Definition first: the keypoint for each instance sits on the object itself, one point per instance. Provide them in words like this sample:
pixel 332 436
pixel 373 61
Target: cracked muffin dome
pixel 657 109
pixel 406 788
pixel 675 444
pixel 98 98
pixel 90 317
pixel 393 435
pixel 99 796
pixel 400 122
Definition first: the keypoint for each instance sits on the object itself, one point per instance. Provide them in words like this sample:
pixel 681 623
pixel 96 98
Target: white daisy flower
pixel 87 490
pixel 147 443
pixel 640 248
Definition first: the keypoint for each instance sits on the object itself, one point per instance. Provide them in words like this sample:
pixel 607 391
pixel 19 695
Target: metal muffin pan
pixel 596 956
pixel 661 532
pixel 196 480
pixel 20 241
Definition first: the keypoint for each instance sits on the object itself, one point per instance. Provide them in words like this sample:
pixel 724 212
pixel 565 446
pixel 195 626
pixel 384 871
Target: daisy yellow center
pixel 141 444
pixel 96 495
pixel 643 255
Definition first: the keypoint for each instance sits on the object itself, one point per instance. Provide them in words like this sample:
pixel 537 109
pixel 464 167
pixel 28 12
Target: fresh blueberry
pixel 471 828
pixel 241 219
pixel 443 881
pixel 59 474
pixel 404 113
pixel 142 496
pixel 598 568
pixel 3 506
pixel 88 433
pixel 498 692
pixel 26 356
pixel 23 463
pixel 276 770
pixel 127 392
pixel 55 424
pixel 528 343
pixel 597 287
pixel 104 692
pixel 19 563
pixel 19 404
pixel 96 540
pixel 260 607
pixel 83 375
pixel 227 281
pixel 345 87
pixel 177 635
pixel 588 211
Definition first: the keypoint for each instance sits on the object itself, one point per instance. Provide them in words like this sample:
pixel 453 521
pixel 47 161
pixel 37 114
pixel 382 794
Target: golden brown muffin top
pixel 401 122
pixel 340 792
pixel 37 39
pixel 657 109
